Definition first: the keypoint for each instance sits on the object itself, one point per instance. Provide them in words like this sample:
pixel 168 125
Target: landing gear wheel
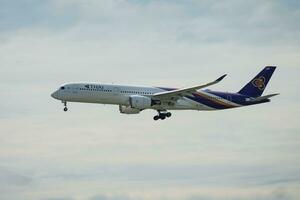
pixel 156 117
pixel 65 104
pixel 162 117
pixel 162 114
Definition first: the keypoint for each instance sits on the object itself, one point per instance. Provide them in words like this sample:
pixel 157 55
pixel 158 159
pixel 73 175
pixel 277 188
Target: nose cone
pixel 55 95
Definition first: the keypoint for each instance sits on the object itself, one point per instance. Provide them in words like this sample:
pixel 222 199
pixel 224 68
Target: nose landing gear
pixel 65 104
pixel 162 115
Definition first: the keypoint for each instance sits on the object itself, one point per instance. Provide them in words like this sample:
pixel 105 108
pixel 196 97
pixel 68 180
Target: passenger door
pixel 116 91
pixel 229 98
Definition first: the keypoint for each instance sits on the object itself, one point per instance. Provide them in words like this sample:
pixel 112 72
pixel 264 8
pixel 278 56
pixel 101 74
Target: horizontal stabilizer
pixel 263 97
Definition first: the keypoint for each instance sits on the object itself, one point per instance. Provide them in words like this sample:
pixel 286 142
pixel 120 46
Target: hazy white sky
pixel 94 153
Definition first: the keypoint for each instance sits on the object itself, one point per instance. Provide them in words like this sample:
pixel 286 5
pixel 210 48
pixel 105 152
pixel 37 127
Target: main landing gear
pixel 162 115
pixel 65 104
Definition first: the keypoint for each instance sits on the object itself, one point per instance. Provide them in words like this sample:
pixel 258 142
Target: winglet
pixel 221 78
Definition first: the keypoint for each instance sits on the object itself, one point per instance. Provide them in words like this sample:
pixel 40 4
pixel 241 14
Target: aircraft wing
pixel 176 94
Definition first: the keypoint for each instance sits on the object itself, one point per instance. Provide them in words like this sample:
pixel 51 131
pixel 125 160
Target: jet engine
pixel 128 110
pixel 140 102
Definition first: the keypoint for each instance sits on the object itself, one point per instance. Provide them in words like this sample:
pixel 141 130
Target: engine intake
pixel 140 102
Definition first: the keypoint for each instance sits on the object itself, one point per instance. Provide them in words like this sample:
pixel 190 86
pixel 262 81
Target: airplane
pixel 134 99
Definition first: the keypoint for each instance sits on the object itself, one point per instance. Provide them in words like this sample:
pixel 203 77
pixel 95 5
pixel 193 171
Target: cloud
pixel 59 198
pixel 32 14
pixel 277 194
pixel 103 197
pixel 248 23
pixel 11 178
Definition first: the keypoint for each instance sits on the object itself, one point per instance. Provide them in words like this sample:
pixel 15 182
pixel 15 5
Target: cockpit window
pixel 62 88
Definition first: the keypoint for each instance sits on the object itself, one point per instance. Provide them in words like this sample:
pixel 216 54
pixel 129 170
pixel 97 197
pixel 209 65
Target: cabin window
pixel 62 88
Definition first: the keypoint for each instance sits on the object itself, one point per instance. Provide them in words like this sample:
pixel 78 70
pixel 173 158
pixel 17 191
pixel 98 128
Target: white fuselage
pixel 118 95
pixel 134 99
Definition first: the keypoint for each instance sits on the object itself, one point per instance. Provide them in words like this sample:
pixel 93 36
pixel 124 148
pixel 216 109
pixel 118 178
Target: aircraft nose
pixel 55 95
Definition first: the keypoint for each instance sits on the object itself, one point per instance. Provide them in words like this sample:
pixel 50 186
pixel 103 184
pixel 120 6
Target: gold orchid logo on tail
pixel 259 83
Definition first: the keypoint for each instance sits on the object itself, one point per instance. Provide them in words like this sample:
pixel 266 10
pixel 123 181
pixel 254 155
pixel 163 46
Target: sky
pixel 94 153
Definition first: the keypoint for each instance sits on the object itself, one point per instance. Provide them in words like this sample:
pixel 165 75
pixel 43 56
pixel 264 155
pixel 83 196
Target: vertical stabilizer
pixel 257 85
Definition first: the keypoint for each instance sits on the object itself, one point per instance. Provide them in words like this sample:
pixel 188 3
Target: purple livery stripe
pixel 205 100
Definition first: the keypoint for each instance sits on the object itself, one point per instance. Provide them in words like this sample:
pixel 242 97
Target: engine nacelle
pixel 129 110
pixel 140 102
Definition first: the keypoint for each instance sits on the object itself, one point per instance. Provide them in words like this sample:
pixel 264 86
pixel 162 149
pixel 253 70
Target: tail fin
pixel 256 86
